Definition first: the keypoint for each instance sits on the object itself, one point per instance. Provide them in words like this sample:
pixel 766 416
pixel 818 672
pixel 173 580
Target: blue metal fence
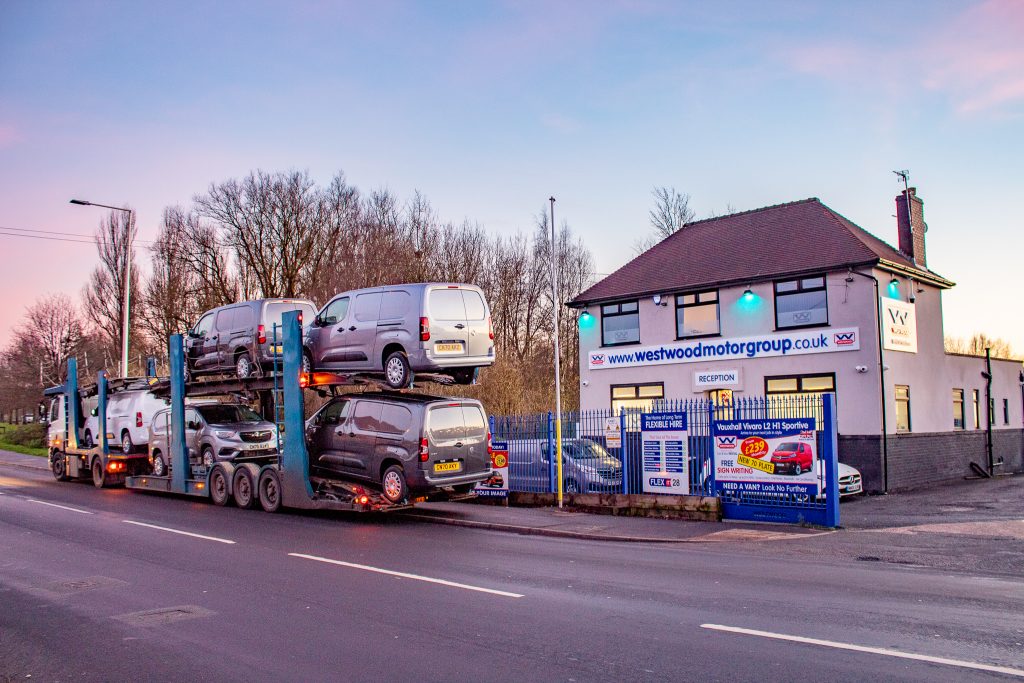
pixel 595 461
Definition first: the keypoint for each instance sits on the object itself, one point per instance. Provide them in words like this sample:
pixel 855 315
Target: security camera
pixel 862 369
pixel 586 383
pixel 911 298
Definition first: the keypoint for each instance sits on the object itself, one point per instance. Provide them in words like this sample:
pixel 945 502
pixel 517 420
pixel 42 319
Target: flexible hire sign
pixel 796 343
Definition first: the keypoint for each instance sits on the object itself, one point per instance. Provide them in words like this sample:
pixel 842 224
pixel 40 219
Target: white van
pixel 128 416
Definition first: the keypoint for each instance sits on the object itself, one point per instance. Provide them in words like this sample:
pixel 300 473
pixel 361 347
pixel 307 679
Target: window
pixel 447 423
pixel 447 304
pixel 1006 411
pixel 366 416
pixel 395 419
pixel 902 408
pixel 273 316
pixel 800 384
pixel 335 311
pixel 799 395
pixel 620 323
pixel 977 410
pixel 395 305
pixel 801 303
pixel 636 397
pixel 204 326
pixel 225 413
pixel 959 420
pixel 991 410
pixel 697 314
pixel 367 307
pixel 475 308
pixel 335 413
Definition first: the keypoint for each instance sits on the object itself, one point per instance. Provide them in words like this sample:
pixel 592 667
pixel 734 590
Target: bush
pixel 32 435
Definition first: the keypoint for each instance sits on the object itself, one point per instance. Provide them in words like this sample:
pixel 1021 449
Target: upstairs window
pixel 697 315
pixel 801 303
pixel 620 323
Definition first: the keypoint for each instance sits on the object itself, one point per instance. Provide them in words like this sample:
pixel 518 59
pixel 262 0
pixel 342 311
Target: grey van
pixel 587 467
pixel 402 329
pixel 213 432
pixel 407 444
pixel 240 337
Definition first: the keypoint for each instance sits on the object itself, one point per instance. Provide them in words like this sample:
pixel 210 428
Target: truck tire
pixel 159 465
pixel 99 477
pixel 270 490
pixel 393 484
pixel 59 467
pixel 220 493
pixel 244 488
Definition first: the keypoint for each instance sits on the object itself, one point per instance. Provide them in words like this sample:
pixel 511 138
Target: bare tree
pixel 976 345
pixel 104 295
pixel 670 213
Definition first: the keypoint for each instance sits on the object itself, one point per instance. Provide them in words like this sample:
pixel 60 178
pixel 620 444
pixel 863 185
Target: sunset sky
pixel 489 108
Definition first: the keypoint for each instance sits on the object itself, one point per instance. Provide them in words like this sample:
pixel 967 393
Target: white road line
pixel 404 575
pixel 870 650
pixel 62 507
pixel 179 531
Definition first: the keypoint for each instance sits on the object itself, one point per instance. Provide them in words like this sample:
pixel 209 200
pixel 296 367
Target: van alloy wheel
pixel 243 366
pixel 159 466
pixel 396 370
pixel 126 443
pixel 208 458
pixel 393 484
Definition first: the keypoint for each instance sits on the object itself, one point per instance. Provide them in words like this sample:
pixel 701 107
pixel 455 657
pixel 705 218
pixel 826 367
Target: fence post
pixel 711 447
pixel 551 453
pixel 625 452
pixel 831 442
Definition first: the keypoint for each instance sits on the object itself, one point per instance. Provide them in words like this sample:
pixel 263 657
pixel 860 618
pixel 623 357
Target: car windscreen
pixel 226 414
pixel 788 446
pixel 590 451
pixel 274 315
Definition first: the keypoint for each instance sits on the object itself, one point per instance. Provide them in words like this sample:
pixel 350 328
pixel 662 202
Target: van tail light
pixel 261 334
pixel 490 448
pixel 490 328
pixel 424 329
pixel 138 419
pixel 424 450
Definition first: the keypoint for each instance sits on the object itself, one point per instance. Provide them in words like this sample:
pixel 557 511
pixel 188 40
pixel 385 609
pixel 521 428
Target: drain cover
pixel 164 615
pixel 88 583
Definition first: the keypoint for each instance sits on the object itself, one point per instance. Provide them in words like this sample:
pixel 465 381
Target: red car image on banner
pixel 766 456
pixel 793 457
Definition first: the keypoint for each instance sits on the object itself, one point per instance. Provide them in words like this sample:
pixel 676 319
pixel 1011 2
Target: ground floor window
pixel 959 421
pixel 977 410
pixel 636 396
pixel 804 391
pixel 902 408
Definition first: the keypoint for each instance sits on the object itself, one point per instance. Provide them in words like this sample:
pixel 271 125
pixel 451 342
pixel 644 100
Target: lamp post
pixel 127 279
pixel 558 349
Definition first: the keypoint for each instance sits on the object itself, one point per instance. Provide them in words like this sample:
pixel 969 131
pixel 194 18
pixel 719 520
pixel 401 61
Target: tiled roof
pixel 774 241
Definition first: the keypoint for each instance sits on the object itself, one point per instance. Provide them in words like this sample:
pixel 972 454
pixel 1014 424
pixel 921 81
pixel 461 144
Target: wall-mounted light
pixel 659 300
pixel 894 282
pixel 748 293
pixel 585 320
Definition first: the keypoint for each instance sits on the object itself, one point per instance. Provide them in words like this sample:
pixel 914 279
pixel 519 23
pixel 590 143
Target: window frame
pixel 697 303
pixel 799 290
pixel 799 384
pixel 636 394
pixel 1006 412
pixel 896 402
pixel 976 397
pixel 619 314
pixel 963 409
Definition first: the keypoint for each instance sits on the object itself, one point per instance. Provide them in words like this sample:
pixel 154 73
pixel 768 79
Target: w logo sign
pixel 845 338
pixel 898 317
pixel 726 442
pixel 597 359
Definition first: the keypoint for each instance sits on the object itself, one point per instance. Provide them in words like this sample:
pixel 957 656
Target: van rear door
pixel 478 340
pixel 449 329
pixel 456 439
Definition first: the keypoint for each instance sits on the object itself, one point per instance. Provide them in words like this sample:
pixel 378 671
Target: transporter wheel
pixel 59 467
pixel 99 477
pixel 397 372
pixel 393 484
pixel 159 465
pixel 270 490
pixel 126 443
pixel 243 366
pixel 219 486
pixel 243 488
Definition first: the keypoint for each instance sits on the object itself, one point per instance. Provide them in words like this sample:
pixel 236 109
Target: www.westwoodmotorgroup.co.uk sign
pixel 795 343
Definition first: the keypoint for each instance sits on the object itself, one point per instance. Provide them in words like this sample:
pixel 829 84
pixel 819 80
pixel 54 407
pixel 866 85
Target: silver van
pixel 407 444
pixel 587 467
pixel 213 432
pixel 402 329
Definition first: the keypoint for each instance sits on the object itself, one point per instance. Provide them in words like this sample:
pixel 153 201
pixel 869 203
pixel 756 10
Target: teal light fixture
pixel 586 320
pixel 894 286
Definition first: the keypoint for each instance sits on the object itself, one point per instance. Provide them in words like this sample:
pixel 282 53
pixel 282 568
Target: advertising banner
pixel 666 457
pixel 497 485
pixel 612 433
pixel 899 325
pixel 766 456
pixel 796 343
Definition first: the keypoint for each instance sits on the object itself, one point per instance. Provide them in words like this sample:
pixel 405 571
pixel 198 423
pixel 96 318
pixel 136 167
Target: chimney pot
pixel 911 228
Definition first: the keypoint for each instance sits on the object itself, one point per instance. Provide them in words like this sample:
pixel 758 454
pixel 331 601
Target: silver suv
pixel 213 432
pixel 401 329
pixel 586 466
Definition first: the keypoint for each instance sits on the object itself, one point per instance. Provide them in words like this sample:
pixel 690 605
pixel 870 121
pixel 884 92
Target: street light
pixel 558 369
pixel 127 279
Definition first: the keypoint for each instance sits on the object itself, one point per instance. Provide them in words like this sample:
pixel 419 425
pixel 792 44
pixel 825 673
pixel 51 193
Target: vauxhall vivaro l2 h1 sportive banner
pixel 777 456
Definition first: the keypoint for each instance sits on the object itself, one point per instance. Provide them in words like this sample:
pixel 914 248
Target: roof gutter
pixel 916 273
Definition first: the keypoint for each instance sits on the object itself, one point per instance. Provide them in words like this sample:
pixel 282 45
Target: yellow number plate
pixel 447 466
pixel 448 348
pixel 276 349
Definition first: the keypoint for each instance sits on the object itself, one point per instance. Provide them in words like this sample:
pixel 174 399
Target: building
pixel 796 299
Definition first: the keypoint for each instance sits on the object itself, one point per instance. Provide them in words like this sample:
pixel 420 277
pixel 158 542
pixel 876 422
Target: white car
pixel 850 483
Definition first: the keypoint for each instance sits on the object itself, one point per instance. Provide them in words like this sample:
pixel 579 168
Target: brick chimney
pixel 911 231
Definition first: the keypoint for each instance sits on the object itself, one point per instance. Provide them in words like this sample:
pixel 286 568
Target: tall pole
pixel 555 304
pixel 127 296
pixel 988 412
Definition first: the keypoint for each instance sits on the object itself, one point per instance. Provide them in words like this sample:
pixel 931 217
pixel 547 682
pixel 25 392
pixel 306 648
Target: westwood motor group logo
pixel 845 338
pixel 726 442
pixel 597 359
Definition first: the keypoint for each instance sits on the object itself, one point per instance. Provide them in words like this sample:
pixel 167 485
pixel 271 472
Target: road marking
pixel 404 575
pixel 179 531
pixel 62 507
pixel 871 650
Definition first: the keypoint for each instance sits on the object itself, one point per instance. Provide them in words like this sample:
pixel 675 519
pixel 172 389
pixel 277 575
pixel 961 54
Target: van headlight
pixel 224 435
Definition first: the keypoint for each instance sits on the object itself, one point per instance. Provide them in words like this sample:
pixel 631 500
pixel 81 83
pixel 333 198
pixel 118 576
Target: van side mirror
pixel 193 425
pixel 318 320
pixel 331 420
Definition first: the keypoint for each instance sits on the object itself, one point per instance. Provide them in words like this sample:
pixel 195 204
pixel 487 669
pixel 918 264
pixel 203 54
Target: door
pixel 229 333
pixel 359 439
pixel 193 423
pixel 361 333
pixel 202 348
pixel 478 340
pixel 449 333
pixel 326 445
pixel 327 335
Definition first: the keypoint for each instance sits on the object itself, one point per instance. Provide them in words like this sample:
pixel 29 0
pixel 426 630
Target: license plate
pixel 448 347
pixel 256 446
pixel 447 466
pixel 275 349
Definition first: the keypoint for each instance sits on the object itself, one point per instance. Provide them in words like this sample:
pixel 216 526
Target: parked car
pixel 850 483
pixel 239 337
pixel 407 444
pixel 402 329
pixel 213 432
pixel 793 457
pixel 586 466
pixel 129 414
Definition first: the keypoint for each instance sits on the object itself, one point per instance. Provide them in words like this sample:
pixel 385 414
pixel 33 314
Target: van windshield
pixel 788 446
pixel 588 450
pixel 274 315
pixel 227 414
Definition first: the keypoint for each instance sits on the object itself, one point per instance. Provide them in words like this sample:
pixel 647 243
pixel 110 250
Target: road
pixel 102 585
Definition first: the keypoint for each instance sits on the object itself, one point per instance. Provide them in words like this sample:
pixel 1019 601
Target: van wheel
pixel 219 486
pixel 393 484
pixel 126 443
pixel 464 375
pixel 243 488
pixel 270 490
pixel 59 467
pixel 397 372
pixel 307 362
pixel 208 458
pixel 159 465
pixel 243 366
pixel 99 477
pixel 798 470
